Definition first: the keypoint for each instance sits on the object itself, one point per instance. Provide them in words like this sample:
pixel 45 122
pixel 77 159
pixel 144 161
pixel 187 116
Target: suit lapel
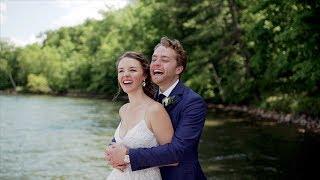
pixel 177 92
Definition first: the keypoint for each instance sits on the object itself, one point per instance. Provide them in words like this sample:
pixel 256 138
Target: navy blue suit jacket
pixel 187 115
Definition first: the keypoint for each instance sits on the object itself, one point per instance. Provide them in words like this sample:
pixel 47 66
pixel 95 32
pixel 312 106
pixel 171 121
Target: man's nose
pixel 155 63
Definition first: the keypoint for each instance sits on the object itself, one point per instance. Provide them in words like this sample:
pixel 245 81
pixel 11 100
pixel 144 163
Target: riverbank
pixel 305 123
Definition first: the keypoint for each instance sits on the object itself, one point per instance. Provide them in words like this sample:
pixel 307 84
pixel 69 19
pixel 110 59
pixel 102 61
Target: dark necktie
pixel 160 98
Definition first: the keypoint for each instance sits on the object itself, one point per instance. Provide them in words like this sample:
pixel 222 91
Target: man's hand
pixel 122 167
pixel 114 156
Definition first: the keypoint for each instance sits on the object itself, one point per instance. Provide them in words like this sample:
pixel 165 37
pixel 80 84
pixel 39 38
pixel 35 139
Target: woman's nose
pixel 126 73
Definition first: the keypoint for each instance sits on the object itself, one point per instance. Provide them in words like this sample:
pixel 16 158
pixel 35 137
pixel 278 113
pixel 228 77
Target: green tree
pixel 38 84
pixel 7 65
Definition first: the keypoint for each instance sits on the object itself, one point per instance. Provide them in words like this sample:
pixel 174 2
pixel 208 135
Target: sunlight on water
pixel 54 137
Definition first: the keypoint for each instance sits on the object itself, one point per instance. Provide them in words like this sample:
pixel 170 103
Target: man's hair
pixel 177 47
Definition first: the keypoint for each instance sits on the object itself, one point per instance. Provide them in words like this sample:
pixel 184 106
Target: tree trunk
pixel 218 81
pixel 12 81
pixel 238 34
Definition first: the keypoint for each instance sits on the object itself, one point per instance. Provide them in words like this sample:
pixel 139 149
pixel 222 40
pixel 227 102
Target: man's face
pixel 163 68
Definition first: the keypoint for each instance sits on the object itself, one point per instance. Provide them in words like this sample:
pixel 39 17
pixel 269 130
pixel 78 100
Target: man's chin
pixel 157 81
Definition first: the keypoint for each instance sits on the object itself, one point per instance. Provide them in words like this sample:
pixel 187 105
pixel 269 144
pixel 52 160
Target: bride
pixel 144 122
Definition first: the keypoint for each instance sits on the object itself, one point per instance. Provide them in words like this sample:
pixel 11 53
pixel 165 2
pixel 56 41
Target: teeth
pixel 156 71
pixel 126 82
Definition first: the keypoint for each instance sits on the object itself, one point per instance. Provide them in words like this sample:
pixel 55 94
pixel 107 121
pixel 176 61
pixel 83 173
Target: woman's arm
pixel 159 122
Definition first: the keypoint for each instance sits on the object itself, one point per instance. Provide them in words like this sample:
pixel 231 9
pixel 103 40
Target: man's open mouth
pixel 157 72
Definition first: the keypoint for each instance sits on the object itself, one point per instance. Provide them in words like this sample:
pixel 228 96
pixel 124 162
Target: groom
pixel 187 113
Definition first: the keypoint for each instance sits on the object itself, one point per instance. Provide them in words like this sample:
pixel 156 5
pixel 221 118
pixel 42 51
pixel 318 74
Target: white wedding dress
pixel 138 137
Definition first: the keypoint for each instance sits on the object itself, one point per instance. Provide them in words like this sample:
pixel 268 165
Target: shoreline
pixel 305 122
pixel 74 94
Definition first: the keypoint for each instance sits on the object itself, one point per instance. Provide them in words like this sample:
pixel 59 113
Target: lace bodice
pixel 139 136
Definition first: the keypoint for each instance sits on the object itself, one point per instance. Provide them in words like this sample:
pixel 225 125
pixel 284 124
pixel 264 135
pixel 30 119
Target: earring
pixel 143 83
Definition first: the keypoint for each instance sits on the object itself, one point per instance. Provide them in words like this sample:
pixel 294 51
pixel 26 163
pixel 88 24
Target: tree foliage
pixel 261 53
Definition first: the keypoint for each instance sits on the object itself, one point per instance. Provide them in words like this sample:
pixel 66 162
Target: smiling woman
pixel 144 122
pixel 133 71
pixel 130 74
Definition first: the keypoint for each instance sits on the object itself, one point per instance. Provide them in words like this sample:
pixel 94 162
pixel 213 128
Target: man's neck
pixel 163 89
pixel 166 87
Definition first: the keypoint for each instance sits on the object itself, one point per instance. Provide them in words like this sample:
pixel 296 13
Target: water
pixel 46 137
pixel 43 137
pixel 234 146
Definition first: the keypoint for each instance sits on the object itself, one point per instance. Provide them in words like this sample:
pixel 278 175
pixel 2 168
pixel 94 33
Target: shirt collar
pixel 169 90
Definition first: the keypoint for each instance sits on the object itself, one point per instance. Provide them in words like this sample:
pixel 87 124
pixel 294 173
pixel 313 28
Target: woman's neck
pixel 137 97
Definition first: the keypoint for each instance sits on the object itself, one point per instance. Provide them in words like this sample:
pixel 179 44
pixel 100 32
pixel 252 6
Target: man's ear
pixel 179 69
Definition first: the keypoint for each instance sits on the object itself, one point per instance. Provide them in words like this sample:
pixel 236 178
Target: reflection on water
pixel 234 146
pixel 43 137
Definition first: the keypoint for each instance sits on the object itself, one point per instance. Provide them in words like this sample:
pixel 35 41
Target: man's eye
pixel 133 70
pixel 153 59
pixel 120 71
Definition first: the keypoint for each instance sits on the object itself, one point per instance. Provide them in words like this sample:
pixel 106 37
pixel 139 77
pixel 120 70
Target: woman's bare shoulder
pixel 122 108
pixel 155 108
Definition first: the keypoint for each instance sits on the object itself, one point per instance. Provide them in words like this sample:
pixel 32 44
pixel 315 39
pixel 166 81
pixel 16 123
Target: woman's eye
pixel 133 70
pixel 120 71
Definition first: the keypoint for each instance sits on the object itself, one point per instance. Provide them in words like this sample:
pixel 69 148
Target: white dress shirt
pixel 169 90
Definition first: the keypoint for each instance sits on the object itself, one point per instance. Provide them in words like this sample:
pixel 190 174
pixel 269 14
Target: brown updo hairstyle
pixel 150 88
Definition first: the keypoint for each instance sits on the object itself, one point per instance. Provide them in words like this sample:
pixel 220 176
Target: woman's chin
pixel 129 90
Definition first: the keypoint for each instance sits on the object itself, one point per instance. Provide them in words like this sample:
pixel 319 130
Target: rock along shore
pixel 306 122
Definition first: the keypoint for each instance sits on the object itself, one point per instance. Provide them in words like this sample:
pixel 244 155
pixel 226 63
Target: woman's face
pixel 130 74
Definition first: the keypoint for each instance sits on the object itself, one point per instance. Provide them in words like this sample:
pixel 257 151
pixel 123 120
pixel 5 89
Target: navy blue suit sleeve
pixel 186 135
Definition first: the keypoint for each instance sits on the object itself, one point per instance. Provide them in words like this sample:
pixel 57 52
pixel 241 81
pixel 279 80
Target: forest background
pixel 262 54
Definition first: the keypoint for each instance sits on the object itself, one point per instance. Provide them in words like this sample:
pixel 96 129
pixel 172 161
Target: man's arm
pixel 186 135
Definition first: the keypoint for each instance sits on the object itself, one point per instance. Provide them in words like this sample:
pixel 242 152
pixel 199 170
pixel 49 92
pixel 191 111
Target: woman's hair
pixel 150 88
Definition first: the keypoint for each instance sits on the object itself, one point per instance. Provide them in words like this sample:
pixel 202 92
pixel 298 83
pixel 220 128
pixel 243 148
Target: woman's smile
pixel 130 74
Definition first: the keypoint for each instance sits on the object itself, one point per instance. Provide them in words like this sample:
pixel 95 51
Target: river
pixel 45 137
